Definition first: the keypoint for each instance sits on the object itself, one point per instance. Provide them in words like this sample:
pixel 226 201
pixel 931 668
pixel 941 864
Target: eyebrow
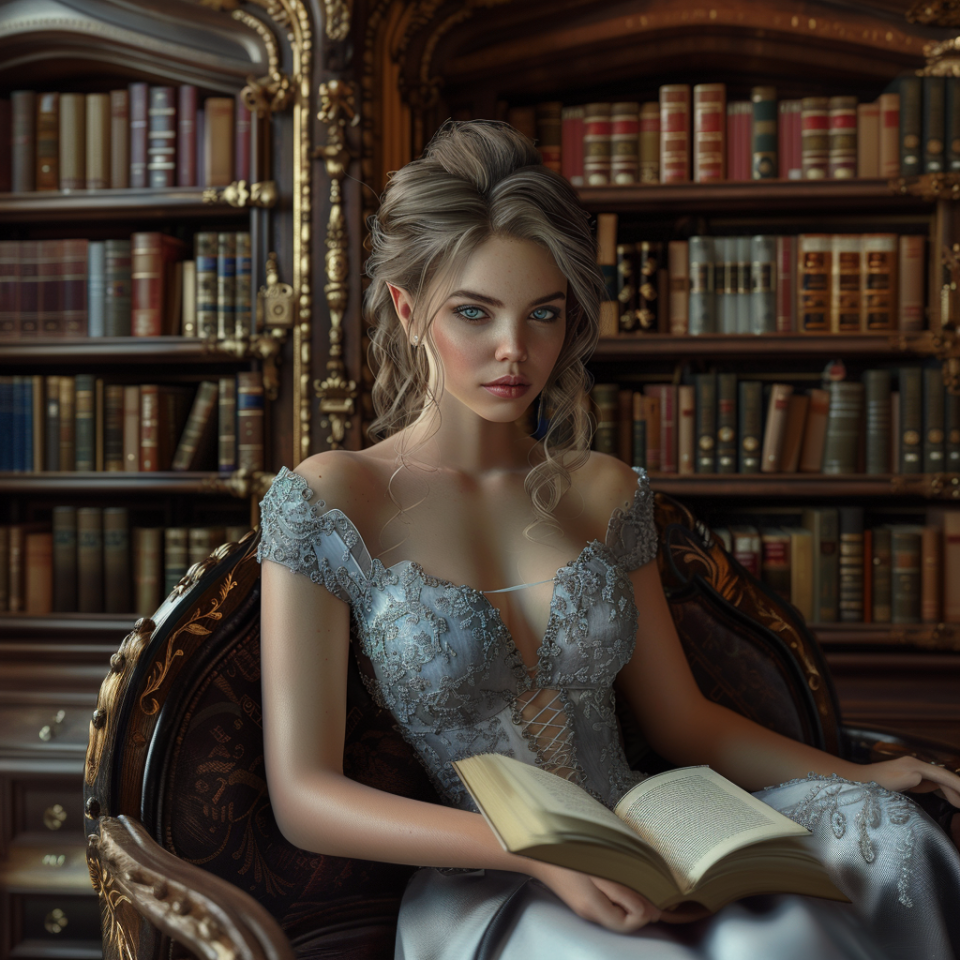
pixel 494 302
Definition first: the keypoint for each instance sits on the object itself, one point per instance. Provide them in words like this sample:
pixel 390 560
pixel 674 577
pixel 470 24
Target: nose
pixel 511 345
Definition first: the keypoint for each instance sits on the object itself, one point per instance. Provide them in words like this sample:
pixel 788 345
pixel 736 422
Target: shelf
pixel 807 486
pixel 103 483
pixel 133 204
pixel 53 628
pixel 783 346
pixel 757 196
pixel 109 351
pixel 936 637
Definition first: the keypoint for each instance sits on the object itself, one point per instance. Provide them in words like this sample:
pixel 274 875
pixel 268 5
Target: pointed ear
pixel 403 304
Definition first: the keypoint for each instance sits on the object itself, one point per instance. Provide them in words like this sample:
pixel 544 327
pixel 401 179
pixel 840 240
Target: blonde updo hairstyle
pixel 477 180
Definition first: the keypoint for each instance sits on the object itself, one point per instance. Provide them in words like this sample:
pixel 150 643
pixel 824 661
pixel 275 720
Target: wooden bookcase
pixel 474 60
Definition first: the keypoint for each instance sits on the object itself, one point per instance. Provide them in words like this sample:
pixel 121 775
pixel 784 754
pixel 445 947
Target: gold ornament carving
pixel 935 13
pixel 242 194
pixel 336 19
pixel 929 186
pixel 117 941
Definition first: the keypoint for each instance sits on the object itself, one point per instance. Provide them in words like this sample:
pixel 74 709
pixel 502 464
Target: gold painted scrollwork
pixel 935 13
pixel 118 941
pixel 336 17
pixel 243 194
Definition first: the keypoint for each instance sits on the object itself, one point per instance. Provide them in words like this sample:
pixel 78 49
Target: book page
pixel 693 817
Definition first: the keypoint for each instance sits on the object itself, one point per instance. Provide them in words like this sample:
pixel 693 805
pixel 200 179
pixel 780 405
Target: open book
pixel 687 834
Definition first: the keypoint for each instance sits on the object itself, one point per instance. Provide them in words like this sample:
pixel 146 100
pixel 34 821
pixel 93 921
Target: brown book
pixel 139 129
pixel 29 304
pixel 119 139
pixel 951 566
pixel 48 141
pixel 16 574
pixel 188 307
pixel 906 567
pixel 686 429
pixel 73 286
pixel 674 133
pixel 218 136
pixel 814 261
pixel 650 142
pixel 851 565
pixel 666 397
pixel 50 289
pixel 9 289
pixel 187 136
pixel 868 576
pixel 241 160
pixel 868 139
pixel 912 282
pixel 153 257
pixel 195 446
pixel 67 454
pixel 651 416
pixel 161 138
pixel 250 420
pixel 801 570
pixel 775 560
pixel 90 559
pixel 131 428
pixel 116 561
pixel 597 144
pixel 775 428
pixel 678 261
pixel 98 141
pixel 880 274
pixel 881 573
pixel 38 573
pixel 931 573
pixel 147 569
pixel 794 432
pixel 113 428
pixel 549 133
pixel 149 426
pixel 845 297
pixel 175 556
pixel 889 134
pixel 174 409
pixel 38 426
pixel 203 541
pixel 23 160
pixel 709 132
pixel 73 141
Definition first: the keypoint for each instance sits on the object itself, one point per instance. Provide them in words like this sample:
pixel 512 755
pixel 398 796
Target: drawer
pixel 55 926
pixel 44 729
pixel 46 807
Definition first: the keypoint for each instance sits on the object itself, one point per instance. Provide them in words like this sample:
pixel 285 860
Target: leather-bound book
pixel 650 142
pixel 706 423
pixel 742 134
pixel 605 397
pixel 29 302
pixel 174 402
pixel 794 431
pixel 905 561
pixel 791 116
pixel 709 132
pixel 201 127
pixel 139 130
pixel 951 417
pixel 96 288
pixel 119 139
pixel 851 565
pixel 911 420
pixel 881 574
pixel 775 427
pixel 205 253
pixel 219 137
pixel 172 297
pixel 764 162
pixel 912 281
pixel 149 427
pixel 842 156
pixel 98 424
pixel 911 126
pixel 226 284
pixel 933 420
pixel 9 289
pixel 162 138
pixel 571 147
pixel 131 428
pixel 607 252
pixel 38 570
pixel 64 559
pixel 824 526
pixel 845 298
pixel 750 407
pixel 73 285
pixel 775 560
pixel 952 125
pixel 597 144
pixel 678 266
pixel 686 428
pixel 241 158
pixel 98 141
pixel 548 134
pixel 227 425
pixel 84 424
pixel 116 560
pixel 250 420
pixel 38 421
pixel 649 268
pixel 763 284
pixel 23 160
pixel 727 423
pixel 744 282
pixel 203 541
pixel 814 259
pixel 48 141
pixel 895 444
pixel 725 283
pixel 654 417
pixel 187 136
pixel 188 307
pixel 815 137
pixel 523 119
pixel 175 556
pixel 867 576
pixel 51 423
pixel 626 287
pixel 674 133
pixel 639 434
pixel 113 428
pixel 876 386
pixel 67 419
pixel 786 289
pixel 90 559
pixel 746 547
pixel 880 275
pixel 119 281
pixel 702 317
pixel 889 135
pixel 50 289
pixel 625 143
pixel 844 424
pixel 931 574
pixel 73 141
pixel 951 566
pixel 801 570
pixel 868 139
pixel 933 125
pixel 147 569
pixel 152 258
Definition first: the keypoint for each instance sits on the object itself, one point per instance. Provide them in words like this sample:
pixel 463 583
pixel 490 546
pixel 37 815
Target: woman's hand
pixel 909 773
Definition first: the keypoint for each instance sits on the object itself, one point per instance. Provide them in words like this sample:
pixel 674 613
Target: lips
pixel 508 388
pixel 509 381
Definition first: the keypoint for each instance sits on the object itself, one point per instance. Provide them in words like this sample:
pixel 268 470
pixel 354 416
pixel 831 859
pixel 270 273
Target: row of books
pixel 90 560
pixel 724 424
pixel 138 287
pixel 142 137
pixel 700 135
pixel 834 569
pixel 80 423
pixel 811 283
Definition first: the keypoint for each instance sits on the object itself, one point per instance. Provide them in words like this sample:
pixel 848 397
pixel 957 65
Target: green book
pixel 876 385
pixel 911 420
pixel 933 420
pixel 905 551
pixel 911 126
pixel 727 423
pixel 934 128
pixel 706 454
pixel 750 409
pixel 824 525
pixel 882 571
pixel 84 422
pixel 764 164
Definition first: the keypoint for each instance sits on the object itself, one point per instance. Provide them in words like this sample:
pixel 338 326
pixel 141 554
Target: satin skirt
pixel 899 869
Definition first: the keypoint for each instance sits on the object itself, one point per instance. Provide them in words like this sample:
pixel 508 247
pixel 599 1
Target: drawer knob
pixel 55 921
pixel 53 817
pixel 50 730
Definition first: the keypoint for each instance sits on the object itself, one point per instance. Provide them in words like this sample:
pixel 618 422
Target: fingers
pixel 629 910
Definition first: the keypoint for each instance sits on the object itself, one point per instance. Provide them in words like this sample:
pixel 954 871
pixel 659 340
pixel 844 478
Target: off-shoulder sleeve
pixel 631 533
pixel 322 545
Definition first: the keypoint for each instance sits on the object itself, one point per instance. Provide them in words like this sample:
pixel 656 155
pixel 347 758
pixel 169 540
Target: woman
pixel 494 584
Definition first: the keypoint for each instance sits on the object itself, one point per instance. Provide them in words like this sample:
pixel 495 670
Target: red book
pixel 571 147
pixel 597 133
pixel 9 288
pixel 187 136
pixel 50 289
pixel 786 285
pixel 29 288
pixel 674 133
pixel 6 146
pixel 709 132
pixel 74 287
pixel 814 137
pixel 666 394
pixel 149 426
pixel 162 138
pixel 152 255
pixel 731 141
pixel 138 134
pixel 241 161
pixel 889 134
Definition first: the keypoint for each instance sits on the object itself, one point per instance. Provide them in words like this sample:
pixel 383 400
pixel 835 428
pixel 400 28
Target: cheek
pixel 460 356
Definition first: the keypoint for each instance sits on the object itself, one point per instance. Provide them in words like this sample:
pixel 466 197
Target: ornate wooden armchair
pixel 183 849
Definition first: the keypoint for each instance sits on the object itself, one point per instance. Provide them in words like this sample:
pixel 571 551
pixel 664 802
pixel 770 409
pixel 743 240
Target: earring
pixel 415 341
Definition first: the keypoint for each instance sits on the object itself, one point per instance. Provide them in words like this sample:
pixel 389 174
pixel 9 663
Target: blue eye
pixel 470 313
pixel 546 314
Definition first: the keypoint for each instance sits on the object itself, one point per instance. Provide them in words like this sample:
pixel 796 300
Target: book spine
pixel 605 397
pixel 668 428
pixel 73 136
pixel 625 143
pixel 727 423
pixel 725 283
pixel 201 133
pixel 650 142
pixel 249 421
pixel 951 416
pixel 131 429
pixel 745 134
pixel 951 566
pixel 113 428
pixel 793 432
pixel 188 309
pixel 147 285
pixel 625 425
pixel 794 120
pixel 786 291
pixel 783 139
pixel 751 425
pixel 119 139
pixel 116 560
pixel 568 134
pixel 6 423
pixel 98 424
pixel 876 384
pixel 50 289
pixel 119 281
pixel 952 125
pixel 175 556
pixel 607 252
pixel 775 560
pixel 149 427
pixel 930 574
pixel 29 258
pixel 73 287
pixel 744 247
pixel 48 142
pixel 842 156
pixel 64 559
pixel 648 265
pixel 912 281
pixel 702 306
pixel 597 144
pixel 933 417
pixel 880 274
pixel 23 158
pixel 679 273
pixel 90 559
pixel 868 140
pixel 67 423
pixel 147 569
pixel 38 418
pixel 639 436
pixel 706 423
pixel 813 283
pixel 96 288
pixel 206 269
pixel 911 420
pixel 227 425
pixel 763 285
pixel 11 409
pixel 226 284
pixel 686 429
pixel 15 569
pixel 161 139
pixel 733 143
pixel 547 119
pixel 241 159
pixel 51 432
pixel 674 133
pixel 627 287
pixel 139 133
pixel 651 414
pixel 38 573
pixel 98 141
pixel 889 135
pixel 775 427
pixel 841 444
pixel 187 136
pixel 219 141
pixel 84 421
pixel 911 98
pixel 765 164
pixel 9 289
pixel 882 573
pixel 851 564
pixel 933 125
pixel 845 299
pixel 709 132
pixel 814 123
pixel 905 546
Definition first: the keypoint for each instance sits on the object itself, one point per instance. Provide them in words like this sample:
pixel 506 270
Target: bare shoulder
pixel 606 484
pixel 345 479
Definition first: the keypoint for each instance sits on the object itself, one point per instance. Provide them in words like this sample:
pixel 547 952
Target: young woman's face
pixel 499 334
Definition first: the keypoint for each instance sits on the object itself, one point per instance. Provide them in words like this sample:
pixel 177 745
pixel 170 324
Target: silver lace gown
pixel 448 671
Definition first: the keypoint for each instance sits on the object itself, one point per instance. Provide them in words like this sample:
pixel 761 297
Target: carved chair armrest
pixel 212 918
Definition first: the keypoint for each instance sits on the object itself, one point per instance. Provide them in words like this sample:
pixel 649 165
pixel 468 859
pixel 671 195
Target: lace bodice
pixel 444 664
